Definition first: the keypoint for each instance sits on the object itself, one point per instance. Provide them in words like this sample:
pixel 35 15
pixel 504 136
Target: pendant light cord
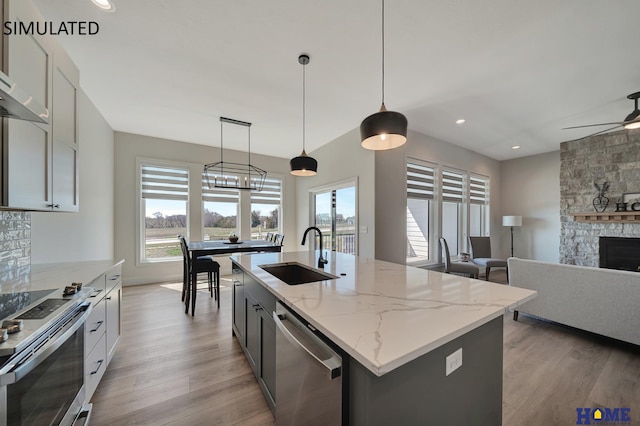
pixel 304 112
pixel 382 52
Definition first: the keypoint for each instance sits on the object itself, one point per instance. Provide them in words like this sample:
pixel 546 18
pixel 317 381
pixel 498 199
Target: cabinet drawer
pixel 95 326
pixel 94 367
pixel 113 277
pixel 100 286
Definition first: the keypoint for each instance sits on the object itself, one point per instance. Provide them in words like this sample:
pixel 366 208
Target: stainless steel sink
pixel 294 273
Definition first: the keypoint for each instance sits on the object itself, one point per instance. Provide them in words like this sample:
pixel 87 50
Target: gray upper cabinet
pixel 40 161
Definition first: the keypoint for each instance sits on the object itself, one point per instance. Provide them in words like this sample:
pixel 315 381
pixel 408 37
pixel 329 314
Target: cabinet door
pixel 251 309
pixel 27 147
pixel 94 366
pixel 268 356
pixel 65 133
pixel 113 301
pixel 26 159
pixel 238 313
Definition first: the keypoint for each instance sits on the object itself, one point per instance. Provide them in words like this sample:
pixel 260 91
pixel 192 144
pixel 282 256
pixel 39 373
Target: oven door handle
pixel 25 365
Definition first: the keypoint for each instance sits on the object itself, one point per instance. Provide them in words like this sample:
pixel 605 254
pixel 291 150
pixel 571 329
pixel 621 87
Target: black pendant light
pixel 384 129
pixel 303 165
pixel 632 120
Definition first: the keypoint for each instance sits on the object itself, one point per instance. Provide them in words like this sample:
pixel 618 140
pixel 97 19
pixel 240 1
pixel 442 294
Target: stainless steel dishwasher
pixel 308 374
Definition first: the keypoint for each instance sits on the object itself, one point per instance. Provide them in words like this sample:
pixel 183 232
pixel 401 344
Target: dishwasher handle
pixel 332 364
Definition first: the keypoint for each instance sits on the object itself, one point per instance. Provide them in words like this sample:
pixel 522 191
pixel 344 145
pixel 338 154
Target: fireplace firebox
pixel 620 253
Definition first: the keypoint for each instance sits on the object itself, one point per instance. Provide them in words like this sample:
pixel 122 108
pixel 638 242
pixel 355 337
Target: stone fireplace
pixel 620 253
pixel 615 158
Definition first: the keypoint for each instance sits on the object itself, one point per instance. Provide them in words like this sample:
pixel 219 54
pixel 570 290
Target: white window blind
pixel 271 192
pixel 420 181
pixel 452 186
pixel 165 183
pixel 479 190
pixel 225 195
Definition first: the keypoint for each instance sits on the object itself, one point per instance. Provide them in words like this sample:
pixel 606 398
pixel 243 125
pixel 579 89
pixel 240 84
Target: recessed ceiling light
pixel 461 121
pixel 105 5
pixel 515 147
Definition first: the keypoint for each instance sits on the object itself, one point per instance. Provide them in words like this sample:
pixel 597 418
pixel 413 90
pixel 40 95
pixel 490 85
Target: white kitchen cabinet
pixel 94 368
pixel 40 161
pixel 103 327
pixel 113 304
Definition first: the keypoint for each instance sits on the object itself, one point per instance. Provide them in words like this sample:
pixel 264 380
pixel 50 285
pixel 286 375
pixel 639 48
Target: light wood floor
pixel 171 368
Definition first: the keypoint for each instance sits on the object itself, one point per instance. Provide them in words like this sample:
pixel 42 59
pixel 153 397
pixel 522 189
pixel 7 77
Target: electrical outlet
pixel 453 361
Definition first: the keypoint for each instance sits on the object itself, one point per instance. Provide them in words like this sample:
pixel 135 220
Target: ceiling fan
pixel 631 121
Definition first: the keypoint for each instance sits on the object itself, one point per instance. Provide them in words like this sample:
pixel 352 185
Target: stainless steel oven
pixel 42 383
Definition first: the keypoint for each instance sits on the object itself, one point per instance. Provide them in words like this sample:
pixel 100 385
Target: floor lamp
pixel 511 221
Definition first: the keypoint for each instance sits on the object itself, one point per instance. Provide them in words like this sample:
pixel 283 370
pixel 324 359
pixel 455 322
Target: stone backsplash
pixel 615 158
pixel 15 246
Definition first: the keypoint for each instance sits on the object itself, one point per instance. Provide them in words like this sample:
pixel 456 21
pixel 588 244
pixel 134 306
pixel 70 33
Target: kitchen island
pixel 397 325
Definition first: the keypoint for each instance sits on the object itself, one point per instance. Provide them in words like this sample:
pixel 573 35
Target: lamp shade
pixel 303 165
pixel 511 220
pixel 383 130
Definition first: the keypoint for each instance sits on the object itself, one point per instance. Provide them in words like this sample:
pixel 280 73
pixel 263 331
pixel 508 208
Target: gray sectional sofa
pixel 602 301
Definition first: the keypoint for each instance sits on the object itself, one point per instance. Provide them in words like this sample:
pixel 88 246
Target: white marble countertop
pixel 57 275
pixel 385 314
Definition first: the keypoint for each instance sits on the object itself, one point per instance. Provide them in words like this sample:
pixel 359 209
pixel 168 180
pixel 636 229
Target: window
pixel 453 200
pixel 420 199
pixel 164 199
pixel 443 201
pixel 220 210
pixel 479 199
pixel 266 208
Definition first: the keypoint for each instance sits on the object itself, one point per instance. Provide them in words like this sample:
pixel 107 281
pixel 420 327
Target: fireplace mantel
pixel 608 217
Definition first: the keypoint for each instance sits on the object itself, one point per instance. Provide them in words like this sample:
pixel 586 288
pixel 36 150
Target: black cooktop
pixel 12 303
pixel 43 309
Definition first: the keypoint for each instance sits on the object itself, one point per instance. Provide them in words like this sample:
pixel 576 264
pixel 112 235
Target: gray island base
pixel 419 392
pixel 396 328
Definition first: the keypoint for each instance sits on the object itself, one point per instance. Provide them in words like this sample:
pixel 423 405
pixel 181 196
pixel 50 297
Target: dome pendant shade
pixel 383 130
pixel 303 165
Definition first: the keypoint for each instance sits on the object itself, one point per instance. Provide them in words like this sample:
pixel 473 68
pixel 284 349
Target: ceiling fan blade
pixel 593 125
pixel 604 131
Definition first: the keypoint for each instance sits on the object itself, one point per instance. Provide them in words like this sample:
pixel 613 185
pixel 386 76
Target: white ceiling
pixel 518 71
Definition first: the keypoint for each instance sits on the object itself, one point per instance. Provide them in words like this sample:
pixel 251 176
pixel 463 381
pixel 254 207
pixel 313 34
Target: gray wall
pixel 530 187
pixel 339 160
pixel 615 158
pixel 88 234
pixel 130 147
pixel 390 190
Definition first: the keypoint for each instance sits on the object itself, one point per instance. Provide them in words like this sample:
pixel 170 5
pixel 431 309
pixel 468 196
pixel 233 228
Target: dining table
pixel 218 247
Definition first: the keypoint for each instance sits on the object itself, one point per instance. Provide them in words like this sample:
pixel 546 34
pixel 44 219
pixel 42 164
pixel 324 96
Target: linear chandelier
pixel 227 174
